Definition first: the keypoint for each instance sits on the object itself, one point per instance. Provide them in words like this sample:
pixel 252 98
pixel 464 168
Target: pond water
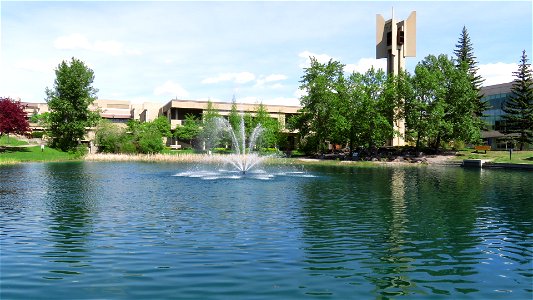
pixel 89 230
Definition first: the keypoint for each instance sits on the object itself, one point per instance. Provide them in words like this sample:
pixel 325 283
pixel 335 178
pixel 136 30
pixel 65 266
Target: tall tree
pixel 320 118
pixel 69 101
pixel 210 131
pixel 12 117
pixel 519 108
pixel 368 109
pixel 466 61
pixel 271 127
pixel 441 109
pixel 190 129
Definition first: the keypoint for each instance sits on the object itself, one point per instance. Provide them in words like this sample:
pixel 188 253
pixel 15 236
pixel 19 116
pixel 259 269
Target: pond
pixel 86 230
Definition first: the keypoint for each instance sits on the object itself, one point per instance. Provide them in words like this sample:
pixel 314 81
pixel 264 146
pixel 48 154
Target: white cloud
pixel 171 88
pixel 283 101
pixel 306 61
pixel 497 73
pixel 273 78
pixel 242 77
pixel 37 65
pixel 73 41
pixel 364 64
pixel 299 93
pixel 78 41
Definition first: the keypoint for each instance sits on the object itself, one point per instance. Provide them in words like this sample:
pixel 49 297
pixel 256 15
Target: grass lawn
pixel 16 154
pixel 517 157
pixel 11 141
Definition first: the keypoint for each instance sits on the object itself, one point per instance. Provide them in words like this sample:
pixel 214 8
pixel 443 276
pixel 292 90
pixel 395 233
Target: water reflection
pixel 413 235
pixel 70 209
pixel 128 230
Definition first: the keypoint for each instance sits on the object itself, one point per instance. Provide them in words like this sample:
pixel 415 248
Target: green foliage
pixel 111 138
pixel 190 130
pixel 78 152
pixel 149 141
pixel 354 110
pixel 41 119
pixel 442 106
pixel 37 134
pixel 438 104
pixel 161 124
pixel 69 102
pixel 320 114
pixel 519 108
pixel 210 131
pixel 138 137
pixel 11 141
pixel 271 128
pixel 26 154
pixel 234 117
pixel 368 109
pixel 466 61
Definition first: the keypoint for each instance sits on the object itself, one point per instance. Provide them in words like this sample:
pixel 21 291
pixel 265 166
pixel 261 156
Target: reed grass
pixel 159 157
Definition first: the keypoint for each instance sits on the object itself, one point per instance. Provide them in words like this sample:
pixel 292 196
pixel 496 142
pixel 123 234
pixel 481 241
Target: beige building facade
pixel 121 111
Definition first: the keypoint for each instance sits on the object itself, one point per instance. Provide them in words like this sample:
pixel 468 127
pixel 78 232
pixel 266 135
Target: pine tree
pixel 467 61
pixel 519 108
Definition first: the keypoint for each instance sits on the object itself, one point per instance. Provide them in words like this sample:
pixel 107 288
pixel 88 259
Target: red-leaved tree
pixel 12 117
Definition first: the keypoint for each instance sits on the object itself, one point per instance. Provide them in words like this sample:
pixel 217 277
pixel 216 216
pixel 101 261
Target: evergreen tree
pixel 519 107
pixel 467 61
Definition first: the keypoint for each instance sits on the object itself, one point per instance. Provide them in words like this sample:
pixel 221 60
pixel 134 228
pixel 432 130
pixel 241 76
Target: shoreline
pixel 430 160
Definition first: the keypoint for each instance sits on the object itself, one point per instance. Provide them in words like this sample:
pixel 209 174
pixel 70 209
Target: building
pixel 121 111
pixel 496 96
pixel 396 40
pixel 177 110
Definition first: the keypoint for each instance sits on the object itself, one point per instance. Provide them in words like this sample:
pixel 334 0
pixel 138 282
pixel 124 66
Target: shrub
pixel 79 151
pixel 150 142
pixel 37 134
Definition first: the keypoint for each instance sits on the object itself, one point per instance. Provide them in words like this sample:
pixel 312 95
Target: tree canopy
pixel 189 130
pixel 69 102
pixel 12 117
pixel 441 108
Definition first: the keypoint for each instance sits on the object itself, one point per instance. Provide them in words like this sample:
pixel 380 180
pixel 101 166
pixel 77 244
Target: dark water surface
pixel 134 231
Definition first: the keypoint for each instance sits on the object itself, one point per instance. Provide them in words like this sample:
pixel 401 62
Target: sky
pixel 253 51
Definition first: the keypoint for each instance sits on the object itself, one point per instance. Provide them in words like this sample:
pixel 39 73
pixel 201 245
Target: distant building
pixel 495 96
pixel 121 111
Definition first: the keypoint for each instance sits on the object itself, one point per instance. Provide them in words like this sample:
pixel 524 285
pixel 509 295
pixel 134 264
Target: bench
pixel 484 147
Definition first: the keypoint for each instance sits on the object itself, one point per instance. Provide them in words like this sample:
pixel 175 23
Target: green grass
pixel 13 154
pixel 11 141
pixel 517 157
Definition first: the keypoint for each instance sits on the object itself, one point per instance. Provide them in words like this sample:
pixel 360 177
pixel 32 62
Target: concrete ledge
pixel 473 163
pixel 491 165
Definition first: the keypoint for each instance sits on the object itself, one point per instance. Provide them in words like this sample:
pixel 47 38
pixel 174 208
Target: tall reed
pixel 187 157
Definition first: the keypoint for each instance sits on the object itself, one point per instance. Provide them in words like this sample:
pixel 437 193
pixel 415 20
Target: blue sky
pixel 145 51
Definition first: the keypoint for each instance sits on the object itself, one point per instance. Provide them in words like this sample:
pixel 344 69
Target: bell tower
pixel 395 41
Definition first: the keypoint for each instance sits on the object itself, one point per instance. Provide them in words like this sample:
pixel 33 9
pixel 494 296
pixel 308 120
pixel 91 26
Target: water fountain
pixel 243 159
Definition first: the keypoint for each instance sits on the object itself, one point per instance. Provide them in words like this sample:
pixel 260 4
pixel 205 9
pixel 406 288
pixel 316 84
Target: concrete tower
pixel 395 41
